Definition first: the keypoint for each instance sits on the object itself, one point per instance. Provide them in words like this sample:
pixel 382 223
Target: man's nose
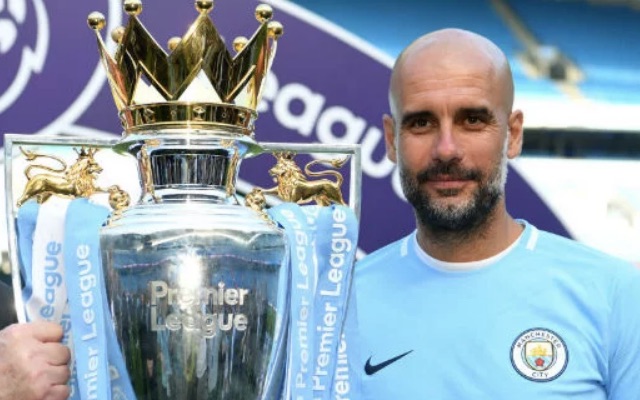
pixel 446 147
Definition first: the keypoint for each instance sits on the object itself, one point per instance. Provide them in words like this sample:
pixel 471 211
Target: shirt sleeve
pixel 624 350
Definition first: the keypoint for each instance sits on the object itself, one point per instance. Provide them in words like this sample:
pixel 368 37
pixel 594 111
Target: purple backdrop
pixel 326 89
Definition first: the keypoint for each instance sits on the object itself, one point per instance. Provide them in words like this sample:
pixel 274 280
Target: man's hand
pixel 33 362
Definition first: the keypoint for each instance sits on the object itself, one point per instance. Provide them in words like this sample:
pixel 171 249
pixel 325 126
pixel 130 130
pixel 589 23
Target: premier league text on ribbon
pixel 332 292
pixel 163 296
pixel 303 282
pixel 341 384
pixel 88 281
pixel 52 278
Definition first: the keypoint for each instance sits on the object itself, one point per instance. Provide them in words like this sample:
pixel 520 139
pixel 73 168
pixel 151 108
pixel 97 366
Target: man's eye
pixel 420 122
pixel 473 120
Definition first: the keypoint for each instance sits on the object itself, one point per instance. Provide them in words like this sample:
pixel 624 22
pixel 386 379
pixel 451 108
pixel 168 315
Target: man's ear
pixel 516 132
pixel 389 136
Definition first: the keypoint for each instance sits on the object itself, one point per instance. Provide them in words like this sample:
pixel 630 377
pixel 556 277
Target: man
pixel 33 362
pixel 475 304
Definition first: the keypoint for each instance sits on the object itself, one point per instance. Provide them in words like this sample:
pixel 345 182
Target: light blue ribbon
pixel 325 238
pixel 303 281
pixel 83 270
pixel 26 226
pixel 101 372
pixel 347 381
pixel 336 241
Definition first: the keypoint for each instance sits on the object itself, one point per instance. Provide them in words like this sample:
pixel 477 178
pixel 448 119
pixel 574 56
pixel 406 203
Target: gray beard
pixel 455 221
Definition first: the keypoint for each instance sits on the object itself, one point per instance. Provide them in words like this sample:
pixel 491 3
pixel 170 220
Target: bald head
pixel 449 51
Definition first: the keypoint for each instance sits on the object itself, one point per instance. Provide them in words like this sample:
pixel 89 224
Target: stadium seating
pixel 597 38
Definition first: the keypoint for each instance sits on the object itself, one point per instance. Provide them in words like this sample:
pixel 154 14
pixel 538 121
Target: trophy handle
pixel 24 181
pixel 331 189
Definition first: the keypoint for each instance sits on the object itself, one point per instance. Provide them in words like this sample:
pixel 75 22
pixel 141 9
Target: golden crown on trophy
pixel 198 84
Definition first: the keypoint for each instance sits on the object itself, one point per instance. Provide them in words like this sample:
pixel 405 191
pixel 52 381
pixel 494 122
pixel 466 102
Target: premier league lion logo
pixel 16 11
pixel 22 51
pixel 48 64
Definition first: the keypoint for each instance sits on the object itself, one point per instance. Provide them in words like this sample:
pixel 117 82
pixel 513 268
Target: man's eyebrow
pixel 407 118
pixel 477 111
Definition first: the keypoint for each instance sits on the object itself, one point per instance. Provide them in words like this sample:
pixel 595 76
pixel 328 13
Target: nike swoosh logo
pixel 370 369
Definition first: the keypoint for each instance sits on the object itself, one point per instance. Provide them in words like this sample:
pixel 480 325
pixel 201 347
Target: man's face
pixel 450 138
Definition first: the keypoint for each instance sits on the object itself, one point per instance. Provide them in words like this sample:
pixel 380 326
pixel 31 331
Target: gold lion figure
pixel 118 198
pixel 256 201
pixel 293 186
pixel 78 180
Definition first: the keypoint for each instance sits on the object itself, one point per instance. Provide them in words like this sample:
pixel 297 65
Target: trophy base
pixel 199 296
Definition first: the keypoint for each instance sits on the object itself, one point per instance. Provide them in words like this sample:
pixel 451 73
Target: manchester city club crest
pixel 539 355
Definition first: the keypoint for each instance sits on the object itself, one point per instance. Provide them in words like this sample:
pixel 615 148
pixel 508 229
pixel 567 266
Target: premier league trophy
pixel 205 294
pixel 198 285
